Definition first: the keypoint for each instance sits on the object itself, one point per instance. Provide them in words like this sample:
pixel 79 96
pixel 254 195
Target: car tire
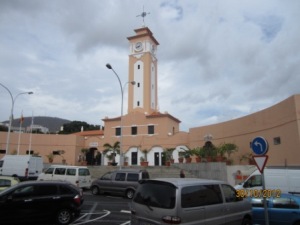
pixel 95 190
pixel 246 221
pixel 64 216
pixel 129 193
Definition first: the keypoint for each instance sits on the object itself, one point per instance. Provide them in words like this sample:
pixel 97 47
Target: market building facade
pixel 145 132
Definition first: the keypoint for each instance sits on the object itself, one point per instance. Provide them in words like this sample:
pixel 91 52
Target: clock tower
pixel 142 96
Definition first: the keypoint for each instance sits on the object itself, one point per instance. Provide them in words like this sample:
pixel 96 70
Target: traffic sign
pixel 260 162
pixel 259 146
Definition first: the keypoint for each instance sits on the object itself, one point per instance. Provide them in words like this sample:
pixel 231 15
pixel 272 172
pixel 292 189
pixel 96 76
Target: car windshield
pixel 156 194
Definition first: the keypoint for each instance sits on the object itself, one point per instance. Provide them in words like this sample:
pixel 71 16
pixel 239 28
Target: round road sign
pixel 259 146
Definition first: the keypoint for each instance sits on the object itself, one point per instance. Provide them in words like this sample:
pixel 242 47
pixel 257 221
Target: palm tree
pixel 115 148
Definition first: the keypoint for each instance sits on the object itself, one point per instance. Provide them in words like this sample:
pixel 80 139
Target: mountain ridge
pixel 52 123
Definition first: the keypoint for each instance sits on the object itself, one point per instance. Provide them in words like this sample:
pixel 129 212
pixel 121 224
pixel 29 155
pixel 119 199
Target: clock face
pixel 138 46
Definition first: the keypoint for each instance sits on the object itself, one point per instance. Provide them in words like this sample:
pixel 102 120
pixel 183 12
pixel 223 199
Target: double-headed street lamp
pixel 13 99
pixel 122 95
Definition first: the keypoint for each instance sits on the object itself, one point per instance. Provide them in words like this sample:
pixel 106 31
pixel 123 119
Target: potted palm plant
pixel 180 157
pixel 115 149
pixel 82 158
pixel 125 160
pixel 199 153
pixel 228 149
pixel 187 155
pixel 169 156
pixel 61 152
pixel 143 159
pixel 50 157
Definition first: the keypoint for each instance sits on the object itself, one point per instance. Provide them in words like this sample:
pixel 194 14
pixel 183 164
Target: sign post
pixel 260 147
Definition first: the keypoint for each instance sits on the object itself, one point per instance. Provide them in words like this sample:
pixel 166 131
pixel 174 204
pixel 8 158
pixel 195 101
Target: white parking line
pixel 126 211
pixel 106 213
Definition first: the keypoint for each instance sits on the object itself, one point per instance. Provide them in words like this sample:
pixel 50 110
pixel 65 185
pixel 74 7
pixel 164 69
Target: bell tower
pixel 142 96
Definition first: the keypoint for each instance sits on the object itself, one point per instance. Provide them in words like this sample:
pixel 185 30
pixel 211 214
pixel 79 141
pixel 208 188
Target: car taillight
pixel 77 199
pixel 171 219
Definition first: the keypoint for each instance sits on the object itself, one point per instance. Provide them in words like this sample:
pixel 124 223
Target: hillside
pixel 52 123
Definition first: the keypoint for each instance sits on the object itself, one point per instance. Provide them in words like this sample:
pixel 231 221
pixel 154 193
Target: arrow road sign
pixel 259 146
pixel 260 162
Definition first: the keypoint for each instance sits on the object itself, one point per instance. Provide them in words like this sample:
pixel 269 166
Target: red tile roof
pixel 90 133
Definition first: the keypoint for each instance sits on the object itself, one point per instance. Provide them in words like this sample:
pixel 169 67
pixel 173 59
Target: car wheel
pixel 246 221
pixel 95 190
pixel 64 216
pixel 129 193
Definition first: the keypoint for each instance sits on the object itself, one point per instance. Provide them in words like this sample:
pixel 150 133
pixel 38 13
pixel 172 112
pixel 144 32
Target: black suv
pixel 40 201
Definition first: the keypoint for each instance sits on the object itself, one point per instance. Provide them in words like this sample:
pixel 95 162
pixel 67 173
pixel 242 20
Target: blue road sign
pixel 259 146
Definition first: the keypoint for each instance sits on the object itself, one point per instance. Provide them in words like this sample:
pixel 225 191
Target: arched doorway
pixel 92 158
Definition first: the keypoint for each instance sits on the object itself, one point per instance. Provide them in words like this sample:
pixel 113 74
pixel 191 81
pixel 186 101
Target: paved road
pixel 104 210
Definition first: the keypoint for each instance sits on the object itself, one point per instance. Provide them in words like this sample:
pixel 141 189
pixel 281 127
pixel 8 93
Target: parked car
pixel 188 201
pixel 38 201
pixel 6 182
pixel 285 179
pixel 282 210
pixel 26 167
pixel 123 182
pixel 77 175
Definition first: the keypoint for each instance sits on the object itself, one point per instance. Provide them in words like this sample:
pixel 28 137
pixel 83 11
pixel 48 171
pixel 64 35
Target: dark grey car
pixel 119 182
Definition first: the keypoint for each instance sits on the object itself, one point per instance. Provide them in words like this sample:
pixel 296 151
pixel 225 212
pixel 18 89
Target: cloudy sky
pixel 217 60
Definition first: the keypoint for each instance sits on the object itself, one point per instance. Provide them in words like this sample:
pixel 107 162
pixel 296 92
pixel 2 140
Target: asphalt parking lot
pixel 104 209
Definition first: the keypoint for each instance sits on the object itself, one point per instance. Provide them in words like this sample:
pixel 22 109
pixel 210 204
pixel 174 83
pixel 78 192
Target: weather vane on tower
pixel 143 14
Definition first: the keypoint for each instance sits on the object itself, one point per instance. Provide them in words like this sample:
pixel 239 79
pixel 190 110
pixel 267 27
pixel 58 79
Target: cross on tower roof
pixel 143 14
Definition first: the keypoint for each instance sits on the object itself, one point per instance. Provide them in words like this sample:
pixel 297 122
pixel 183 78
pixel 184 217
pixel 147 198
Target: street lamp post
pixel 122 98
pixel 13 99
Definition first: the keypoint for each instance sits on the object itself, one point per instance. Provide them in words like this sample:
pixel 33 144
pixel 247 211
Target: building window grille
pixel 134 130
pixel 151 129
pixel 277 141
pixel 118 131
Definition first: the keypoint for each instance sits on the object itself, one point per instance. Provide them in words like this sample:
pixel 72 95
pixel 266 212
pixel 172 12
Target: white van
pixel 77 175
pixel 276 178
pixel 25 167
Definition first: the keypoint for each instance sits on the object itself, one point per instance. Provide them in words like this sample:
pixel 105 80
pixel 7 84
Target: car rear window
pixel 132 177
pixel 84 172
pixel 145 175
pixel 285 203
pixel 49 171
pixel 5 183
pixel 156 194
pixel 60 171
pixel 65 189
pixel 120 176
pixel 71 172
pixel 200 195
pixel 107 176
pixel 44 190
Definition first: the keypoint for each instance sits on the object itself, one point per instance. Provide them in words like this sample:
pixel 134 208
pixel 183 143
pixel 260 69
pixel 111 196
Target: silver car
pixel 188 201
